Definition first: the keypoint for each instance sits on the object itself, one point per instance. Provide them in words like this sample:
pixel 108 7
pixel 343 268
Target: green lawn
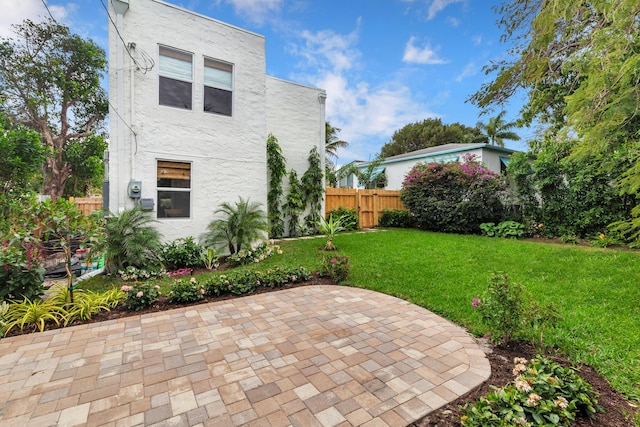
pixel 597 290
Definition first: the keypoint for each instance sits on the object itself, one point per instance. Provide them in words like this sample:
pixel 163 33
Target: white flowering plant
pixel 140 295
pixel 255 254
pixel 543 393
pixel 133 274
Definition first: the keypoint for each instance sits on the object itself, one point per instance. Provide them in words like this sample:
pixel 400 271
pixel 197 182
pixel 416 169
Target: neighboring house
pixel 191 110
pixel 396 167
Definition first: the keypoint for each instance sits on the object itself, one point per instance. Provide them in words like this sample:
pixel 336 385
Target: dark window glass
pixel 217 101
pixel 174 204
pixel 175 93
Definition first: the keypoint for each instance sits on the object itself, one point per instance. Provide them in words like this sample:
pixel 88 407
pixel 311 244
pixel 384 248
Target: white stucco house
pixel 396 167
pixel 191 108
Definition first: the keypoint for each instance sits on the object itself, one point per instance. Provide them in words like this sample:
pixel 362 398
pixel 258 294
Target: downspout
pixel 133 143
pixel 120 7
pixel 322 98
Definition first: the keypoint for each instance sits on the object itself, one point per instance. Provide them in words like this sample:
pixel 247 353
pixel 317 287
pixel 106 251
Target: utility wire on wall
pixel 149 63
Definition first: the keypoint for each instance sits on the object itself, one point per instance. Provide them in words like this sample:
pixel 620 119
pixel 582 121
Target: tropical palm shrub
pixel 239 226
pixel 330 228
pixel 131 240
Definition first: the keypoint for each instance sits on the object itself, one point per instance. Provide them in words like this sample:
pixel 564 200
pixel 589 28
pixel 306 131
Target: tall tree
pixel 50 81
pixel 580 64
pixel 425 134
pixel 85 156
pixel 496 130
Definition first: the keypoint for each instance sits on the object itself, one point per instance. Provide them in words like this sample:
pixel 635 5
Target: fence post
pixel 359 207
pixel 375 209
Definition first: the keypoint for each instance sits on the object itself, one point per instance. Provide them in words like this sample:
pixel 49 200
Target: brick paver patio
pixel 308 356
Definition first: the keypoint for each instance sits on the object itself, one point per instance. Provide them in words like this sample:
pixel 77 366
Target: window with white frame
pixel 174 189
pixel 218 87
pixel 176 78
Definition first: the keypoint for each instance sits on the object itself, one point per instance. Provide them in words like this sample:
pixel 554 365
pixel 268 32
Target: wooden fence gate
pixel 368 203
pixel 87 204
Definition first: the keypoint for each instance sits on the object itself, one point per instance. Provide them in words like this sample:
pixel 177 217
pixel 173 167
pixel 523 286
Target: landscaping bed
pixel 616 408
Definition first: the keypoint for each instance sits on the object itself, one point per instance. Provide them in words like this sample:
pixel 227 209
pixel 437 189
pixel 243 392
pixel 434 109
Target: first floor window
pixel 174 189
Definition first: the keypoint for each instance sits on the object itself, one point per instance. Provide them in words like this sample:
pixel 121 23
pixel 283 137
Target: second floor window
pixel 176 77
pixel 218 87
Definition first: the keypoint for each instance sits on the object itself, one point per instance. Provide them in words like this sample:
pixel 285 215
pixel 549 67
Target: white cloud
pixel 477 40
pixel 14 12
pixel 439 5
pixel 471 69
pixel 454 22
pixel 367 113
pixel 257 11
pixel 421 55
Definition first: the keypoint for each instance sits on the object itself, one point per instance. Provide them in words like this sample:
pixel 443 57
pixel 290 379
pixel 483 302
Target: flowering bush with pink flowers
pixel 139 296
pixel 453 197
pixel 336 267
pixel 186 291
pixel 543 393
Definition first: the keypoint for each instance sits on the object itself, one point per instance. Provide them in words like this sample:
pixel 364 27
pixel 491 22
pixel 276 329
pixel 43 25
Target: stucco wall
pixel 295 115
pixel 227 154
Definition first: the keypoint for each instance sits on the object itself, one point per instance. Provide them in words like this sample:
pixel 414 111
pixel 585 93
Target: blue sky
pixel 383 63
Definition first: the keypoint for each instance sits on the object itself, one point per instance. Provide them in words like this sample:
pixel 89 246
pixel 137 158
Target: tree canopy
pixel 50 81
pixel 427 133
pixel 21 157
pixel 579 63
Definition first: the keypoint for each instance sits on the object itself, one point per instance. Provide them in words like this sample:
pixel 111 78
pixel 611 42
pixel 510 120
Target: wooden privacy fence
pixel 368 203
pixel 87 204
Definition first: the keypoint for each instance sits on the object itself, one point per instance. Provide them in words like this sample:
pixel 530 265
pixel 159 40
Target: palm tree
pixel 131 240
pixel 240 225
pixel 331 145
pixel 497 130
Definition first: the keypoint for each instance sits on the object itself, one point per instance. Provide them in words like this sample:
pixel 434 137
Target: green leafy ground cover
pixel 597 291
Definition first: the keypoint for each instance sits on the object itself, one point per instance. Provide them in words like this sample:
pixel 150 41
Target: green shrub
pixel 21 271
pixel 502 308
pixel 183 252
pixel 453 197
pixel 186 291
pixel 348 218
pixel 505 229
pixel 395 218
pixel 246 281
pixel 336 267
pixel 210 259
pixel 543 393
pixel 140 296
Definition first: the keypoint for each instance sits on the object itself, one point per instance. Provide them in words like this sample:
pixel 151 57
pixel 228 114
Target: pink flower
pixel 202 291
pixel 523 385
pixel 561 402
pixel 126 288
pixel 140 294
pixel 519 368
pixel 157 287
pixel 475 302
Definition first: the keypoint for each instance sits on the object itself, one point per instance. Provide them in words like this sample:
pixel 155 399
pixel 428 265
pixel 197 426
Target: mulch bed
pixel 616 408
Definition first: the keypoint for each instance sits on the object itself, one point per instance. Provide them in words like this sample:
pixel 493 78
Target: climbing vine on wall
pixel 277 170
pixel 312 189
pixel 295 204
